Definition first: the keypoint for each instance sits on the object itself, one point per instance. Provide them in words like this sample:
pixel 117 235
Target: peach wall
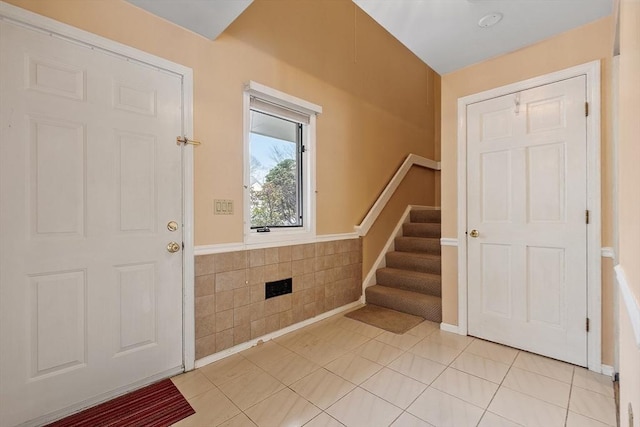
pixel 587 43
pixel 377 97
pixel 629 200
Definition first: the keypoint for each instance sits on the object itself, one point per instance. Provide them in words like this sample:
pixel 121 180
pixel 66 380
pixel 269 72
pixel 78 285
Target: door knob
pixel 173 247
pixel 474 233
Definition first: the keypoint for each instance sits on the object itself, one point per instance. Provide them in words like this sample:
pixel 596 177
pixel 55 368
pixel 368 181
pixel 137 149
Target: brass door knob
pixel 474 233
pixel 173 247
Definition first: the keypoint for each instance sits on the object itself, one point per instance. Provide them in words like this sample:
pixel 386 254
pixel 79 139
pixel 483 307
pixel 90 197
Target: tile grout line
pixel 498 389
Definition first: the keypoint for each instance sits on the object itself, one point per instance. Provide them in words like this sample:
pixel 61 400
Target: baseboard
pixel 244 346
pixel 608 371
pixel 448 241
pixel 608 252
pixel 450 328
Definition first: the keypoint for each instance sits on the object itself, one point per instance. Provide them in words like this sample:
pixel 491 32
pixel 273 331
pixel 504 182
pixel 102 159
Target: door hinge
pixel 586 109
pixel 587 324
pixel 586 216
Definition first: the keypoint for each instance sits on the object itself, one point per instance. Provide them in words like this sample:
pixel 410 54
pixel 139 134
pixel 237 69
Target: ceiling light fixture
pixel 490 20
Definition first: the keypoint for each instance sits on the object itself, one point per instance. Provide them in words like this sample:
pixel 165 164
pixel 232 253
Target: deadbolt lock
pixel 172 226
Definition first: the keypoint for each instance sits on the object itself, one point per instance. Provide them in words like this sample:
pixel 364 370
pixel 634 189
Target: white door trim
pixel 594 301
pixel 39 22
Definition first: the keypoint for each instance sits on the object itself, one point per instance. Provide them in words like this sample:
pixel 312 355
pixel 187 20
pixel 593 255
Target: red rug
pixel 157 405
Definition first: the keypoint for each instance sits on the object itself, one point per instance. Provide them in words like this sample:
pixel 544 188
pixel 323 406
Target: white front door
pixel 90 176
pixel 526 197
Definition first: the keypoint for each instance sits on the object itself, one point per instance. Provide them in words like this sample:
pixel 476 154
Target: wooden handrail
pixel 392 186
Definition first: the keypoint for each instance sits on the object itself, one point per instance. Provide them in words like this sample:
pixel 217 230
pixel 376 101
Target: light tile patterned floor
pixel 340 372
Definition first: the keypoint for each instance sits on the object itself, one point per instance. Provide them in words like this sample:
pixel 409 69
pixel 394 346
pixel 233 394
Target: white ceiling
pixel 442 33
pixel 446 36
pixel 209 18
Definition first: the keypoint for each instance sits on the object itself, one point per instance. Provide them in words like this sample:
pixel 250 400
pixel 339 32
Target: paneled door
pixel 527 231
pixel 90 193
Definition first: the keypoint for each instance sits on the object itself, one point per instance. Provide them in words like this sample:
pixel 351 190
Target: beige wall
pixel 629 200
pixel 579 46
pixel 377 97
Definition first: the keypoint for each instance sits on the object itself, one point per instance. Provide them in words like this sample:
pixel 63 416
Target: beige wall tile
pixel 271 256
pixel 239 260
pixel 309 310
pixel 258 328
pixel 241 333
pixel 224 320
pixel 284 270
pixel 224 262
pixel 272 323
pixel 224 301
pixel 255 275
pixel 242 297
pixel 257 310
pixel 224 340
pixel 270 272
pixel 284 254
pixel 297 252
pixel 286 318
pixel 205 285
pixel 285 302
pixel 309 250
pixel 271 306
pixel 297 268
pixel 230 280
pixel 242 315
pixel 204 264
pixel 205 325
pixel 205 346
pixel 257 293
pixel 205 305
pixel 256 257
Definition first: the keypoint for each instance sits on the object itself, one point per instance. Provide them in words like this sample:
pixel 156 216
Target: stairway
pixel 411 281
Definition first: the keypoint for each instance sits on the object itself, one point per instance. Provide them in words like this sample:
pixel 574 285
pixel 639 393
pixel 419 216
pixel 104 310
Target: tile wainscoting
pixel 230 305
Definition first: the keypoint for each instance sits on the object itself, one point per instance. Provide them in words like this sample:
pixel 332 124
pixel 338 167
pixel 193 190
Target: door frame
pixel 38 22
pixel 594 300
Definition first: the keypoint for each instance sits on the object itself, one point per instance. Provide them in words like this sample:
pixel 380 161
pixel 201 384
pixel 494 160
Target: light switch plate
pixel 222 207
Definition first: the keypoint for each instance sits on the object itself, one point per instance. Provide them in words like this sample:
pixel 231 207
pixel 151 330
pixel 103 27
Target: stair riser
pixel 430 310
pixel 427 215
pixel 414 229
pixel 429 286
pixel 396 260
pixel 429 246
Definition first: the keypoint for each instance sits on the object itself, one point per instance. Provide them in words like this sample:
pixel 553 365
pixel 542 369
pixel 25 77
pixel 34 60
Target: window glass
pixel 275 171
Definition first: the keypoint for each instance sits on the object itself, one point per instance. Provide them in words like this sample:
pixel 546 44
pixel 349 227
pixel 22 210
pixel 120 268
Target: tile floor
pixel 342 372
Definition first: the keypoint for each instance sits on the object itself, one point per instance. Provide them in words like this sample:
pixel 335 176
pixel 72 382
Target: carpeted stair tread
pixel 427 306
pixel 414 261
pixel 418 244
pixel 424 283
pixel 421 229
pixel 426 215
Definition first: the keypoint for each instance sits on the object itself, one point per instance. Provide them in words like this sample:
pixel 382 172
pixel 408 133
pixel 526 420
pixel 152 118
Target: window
pixel 279 166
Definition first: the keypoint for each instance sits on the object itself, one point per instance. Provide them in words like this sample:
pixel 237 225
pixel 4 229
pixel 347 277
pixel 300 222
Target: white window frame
pixel 287 234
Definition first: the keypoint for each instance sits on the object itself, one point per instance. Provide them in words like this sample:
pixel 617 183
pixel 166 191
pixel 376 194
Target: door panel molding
pixel 591 71
pixel 23 18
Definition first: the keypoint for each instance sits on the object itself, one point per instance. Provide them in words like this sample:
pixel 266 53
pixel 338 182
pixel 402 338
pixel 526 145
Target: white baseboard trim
pixel 244 346
pixel 240 246
pixel 448 241
pixel 608 371
pixel 450 328
pixel 608 252
pixel 630 302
